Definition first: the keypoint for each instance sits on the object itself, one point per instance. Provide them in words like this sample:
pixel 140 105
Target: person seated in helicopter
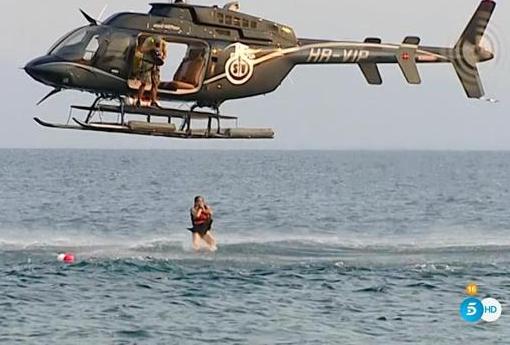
pixel 150 55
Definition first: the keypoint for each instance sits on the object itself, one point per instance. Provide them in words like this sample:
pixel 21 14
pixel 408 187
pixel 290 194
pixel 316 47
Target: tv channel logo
pixel 473 310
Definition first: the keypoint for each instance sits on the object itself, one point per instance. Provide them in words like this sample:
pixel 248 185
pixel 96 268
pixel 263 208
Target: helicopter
pixel 228 55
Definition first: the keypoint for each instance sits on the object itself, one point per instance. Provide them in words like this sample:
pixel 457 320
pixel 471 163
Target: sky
pixel 327 107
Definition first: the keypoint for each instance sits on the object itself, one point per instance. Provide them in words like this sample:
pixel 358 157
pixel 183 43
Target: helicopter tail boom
pixel 465 55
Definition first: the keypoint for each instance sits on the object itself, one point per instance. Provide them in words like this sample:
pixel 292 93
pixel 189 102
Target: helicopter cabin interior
pixel 182 70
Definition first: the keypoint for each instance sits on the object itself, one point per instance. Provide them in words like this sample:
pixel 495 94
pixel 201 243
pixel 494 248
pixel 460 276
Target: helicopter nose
pixel 38 69
pixel 44 70
pixel 33 69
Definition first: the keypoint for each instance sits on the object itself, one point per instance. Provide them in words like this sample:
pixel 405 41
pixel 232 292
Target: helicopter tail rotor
pixel 468 51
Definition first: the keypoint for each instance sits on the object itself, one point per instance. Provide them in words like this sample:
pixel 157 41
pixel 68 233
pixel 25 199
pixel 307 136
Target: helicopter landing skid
pixel 162 130
pixel 159 129
pixel 55 125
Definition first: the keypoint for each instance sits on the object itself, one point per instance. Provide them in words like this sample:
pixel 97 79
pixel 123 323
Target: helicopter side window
pixel 116 53
pixel 91 48
pixel 79 45
pixel 71 39
pixel 221 18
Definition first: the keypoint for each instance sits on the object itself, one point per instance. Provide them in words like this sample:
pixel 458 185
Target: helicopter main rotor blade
pixel 101 14
pixel 52 93
pixel 91 20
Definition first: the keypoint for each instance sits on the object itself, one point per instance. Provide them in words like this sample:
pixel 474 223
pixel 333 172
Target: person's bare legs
pixel 155 87
pixel 141 91
pixel 211 241
pixel 154 94
pixel 196 241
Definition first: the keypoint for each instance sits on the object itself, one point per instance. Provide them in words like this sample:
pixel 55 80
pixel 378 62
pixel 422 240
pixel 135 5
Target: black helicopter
pixel 229 55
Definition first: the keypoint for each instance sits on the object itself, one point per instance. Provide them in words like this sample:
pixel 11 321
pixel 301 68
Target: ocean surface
pixel 314 247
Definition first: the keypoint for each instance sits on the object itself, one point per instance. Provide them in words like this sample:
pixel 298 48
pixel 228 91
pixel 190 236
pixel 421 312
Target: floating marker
pixel 472 289
pixel 67 258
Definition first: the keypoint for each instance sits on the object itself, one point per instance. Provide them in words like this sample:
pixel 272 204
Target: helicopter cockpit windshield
pixel 79 45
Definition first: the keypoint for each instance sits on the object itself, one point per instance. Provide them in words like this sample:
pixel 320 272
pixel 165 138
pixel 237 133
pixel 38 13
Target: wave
pixel 237 247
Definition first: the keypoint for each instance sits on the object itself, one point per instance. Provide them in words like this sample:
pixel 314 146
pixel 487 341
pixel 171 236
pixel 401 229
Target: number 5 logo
pixel 471 310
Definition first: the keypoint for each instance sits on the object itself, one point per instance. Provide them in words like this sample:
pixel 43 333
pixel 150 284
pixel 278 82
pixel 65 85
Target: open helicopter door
pixel 183 69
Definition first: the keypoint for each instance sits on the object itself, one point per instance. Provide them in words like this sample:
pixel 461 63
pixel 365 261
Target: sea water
pixel 314 247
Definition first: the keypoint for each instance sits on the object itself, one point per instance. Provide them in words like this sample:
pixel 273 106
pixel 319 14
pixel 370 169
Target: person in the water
pixel 201 218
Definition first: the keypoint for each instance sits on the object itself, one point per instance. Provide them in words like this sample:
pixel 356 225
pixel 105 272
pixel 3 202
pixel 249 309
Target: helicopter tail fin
pixel 470 80
pixel 478 24
pixel 468 52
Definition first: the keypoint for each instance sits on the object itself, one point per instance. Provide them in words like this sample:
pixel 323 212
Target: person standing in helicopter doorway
pixel 154 53
pixel 160 52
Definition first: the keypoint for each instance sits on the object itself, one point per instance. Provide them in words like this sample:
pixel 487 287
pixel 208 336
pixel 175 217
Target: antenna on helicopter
pixel 233 6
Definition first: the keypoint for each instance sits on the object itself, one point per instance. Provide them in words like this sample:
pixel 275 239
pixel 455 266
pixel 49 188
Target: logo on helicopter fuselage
pixel 241 64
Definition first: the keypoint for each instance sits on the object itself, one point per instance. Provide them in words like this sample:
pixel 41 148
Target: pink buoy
pixel 67 258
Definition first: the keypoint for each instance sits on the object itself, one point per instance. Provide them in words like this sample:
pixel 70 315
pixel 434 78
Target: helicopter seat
pixel 188 76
